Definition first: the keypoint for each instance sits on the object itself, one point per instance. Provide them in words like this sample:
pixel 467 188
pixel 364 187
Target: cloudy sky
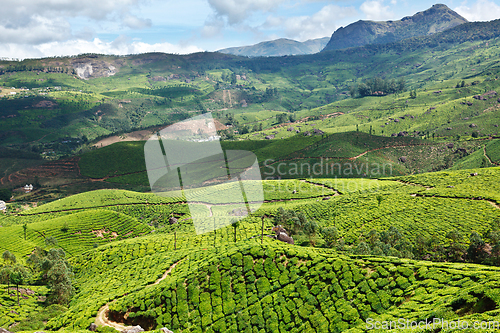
pixel 37 28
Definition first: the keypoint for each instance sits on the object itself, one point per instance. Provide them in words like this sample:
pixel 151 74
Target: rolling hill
pixel 315 288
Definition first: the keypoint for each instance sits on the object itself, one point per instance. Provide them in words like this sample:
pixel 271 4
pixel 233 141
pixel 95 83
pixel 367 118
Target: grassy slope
pixel 124 162
pixel 252 287
pixel 267 284
pixel 74 233
pixel 133 98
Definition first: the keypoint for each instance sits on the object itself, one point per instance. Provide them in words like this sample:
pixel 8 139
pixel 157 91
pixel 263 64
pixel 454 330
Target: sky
pixel 41 28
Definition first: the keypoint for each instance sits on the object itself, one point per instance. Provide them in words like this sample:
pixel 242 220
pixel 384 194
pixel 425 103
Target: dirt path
pixel 102 315
pixel 325 186
pixel 494 204
pixel 141 135
pixel 486 155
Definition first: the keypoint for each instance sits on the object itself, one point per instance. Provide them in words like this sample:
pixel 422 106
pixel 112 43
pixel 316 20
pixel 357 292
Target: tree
pixel 244 129
pixel 5 274
pixel 330 235
pixel 59 281
pixel 493 235
pixel 299 220
pixel 18 276
pixel 352 91
pixel 283 217
pixel 235 225
pixel 310 228
pixel 456 250
pixel 363 249
pixel 5 194
pixel 373 237
pixel 9 257
pixel 391 237
pixel 25 228
pixel 281 118
pixel 476 252
pixel 55 271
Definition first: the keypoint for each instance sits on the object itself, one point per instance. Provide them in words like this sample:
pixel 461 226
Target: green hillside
pixel 306 286
pixel 270 288
pixel 343 155
pixel 62 112
pixel 74 233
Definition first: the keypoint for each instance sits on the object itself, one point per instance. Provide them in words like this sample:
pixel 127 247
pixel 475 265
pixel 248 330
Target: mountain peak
pixel 278 47
pixel 435 19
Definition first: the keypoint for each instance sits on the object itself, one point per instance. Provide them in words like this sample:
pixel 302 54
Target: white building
pixel 2 205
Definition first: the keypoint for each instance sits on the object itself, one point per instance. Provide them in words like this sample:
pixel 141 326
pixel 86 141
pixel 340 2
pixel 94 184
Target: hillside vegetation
pixel 316 285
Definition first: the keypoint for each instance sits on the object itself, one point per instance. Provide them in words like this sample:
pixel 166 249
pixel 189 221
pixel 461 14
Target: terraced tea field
pixel 120 243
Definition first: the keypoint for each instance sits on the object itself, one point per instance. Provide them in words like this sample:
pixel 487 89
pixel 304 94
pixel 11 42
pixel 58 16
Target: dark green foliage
pixel 5 194
pixel 378 87
pixel 53 270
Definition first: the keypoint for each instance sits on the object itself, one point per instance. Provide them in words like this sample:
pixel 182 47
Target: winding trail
pixel 102 315
pixel 487 157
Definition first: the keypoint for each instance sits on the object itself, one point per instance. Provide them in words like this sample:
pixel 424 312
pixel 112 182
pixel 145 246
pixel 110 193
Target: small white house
pixel 28 188
pixel 3 207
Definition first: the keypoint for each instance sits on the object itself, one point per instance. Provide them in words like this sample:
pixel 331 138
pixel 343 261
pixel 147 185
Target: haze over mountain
pixel 435 19
pixel 279 47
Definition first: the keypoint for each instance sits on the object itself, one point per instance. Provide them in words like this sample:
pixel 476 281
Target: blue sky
pixel 37 28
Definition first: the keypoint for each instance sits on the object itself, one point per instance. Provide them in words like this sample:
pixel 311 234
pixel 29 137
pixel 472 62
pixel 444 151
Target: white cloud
pixel 321 24
pixel 213 27
pixel 120 46
pixel 135 22
pixel 37 30
pixel 376 11
pixel 40 21
pixel 237 11
pixel 481 10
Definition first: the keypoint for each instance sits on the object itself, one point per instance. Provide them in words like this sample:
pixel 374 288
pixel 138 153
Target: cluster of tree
pixel 42 267
pixel 480 249
pixel 38 68
pixel 231 120
pixel 257 96
pixel 228 134
pixel 377 87
pixel 284 117
pixel 230 77
pixel 5 194
pixel 297 224
pixel 386 243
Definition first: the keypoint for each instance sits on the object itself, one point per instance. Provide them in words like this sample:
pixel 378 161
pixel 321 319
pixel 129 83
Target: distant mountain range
pixel 279 47
pixel 435 19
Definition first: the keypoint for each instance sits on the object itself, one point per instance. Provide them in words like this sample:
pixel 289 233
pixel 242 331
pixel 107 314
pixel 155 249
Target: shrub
pixel 263 286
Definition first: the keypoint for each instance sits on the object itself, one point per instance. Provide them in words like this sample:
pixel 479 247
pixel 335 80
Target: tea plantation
pixel 250 287
pixel 121 243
